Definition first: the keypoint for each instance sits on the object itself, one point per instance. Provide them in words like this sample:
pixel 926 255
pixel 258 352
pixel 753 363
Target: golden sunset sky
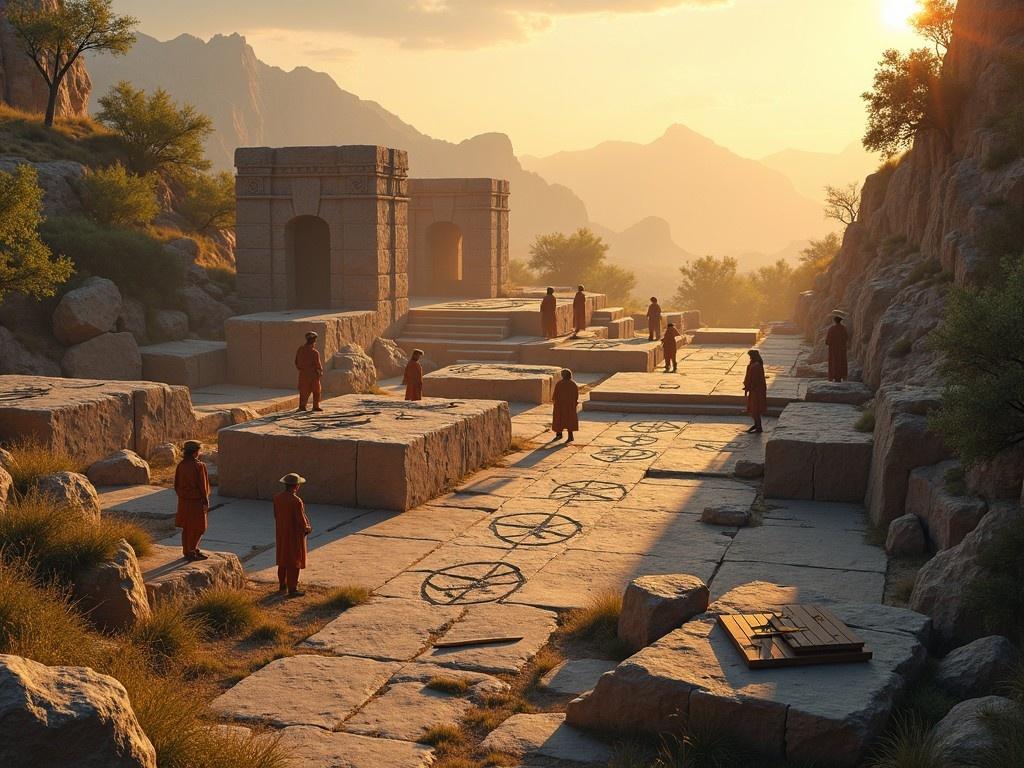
pixel 757 76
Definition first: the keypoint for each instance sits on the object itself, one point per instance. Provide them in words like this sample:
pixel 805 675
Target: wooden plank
pixel 840 625
pixel 793 639
pixel 774 652
pixel 829 634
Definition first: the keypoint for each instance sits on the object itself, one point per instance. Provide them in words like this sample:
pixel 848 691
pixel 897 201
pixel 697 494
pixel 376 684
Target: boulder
pixel 71 717
pixel 735 515
pixel 6 482
pixel 963 735
pixel 122 468
pixel 133 319
pixel 6 458
pixel 72 490
pixel 946 516
pixel 905 537
pixel 388 358
pixel 112 356
pixel 169 325
pixel 847 392
pixel 14 358
pixel 978 668
pixel 164 455
pixel 655 605
pixel 941 588
pixel 112 595
pixel 169 577
pixel 350 372
pixel 748 470
pixel 87 311
pixel 185 249
pixel 205 314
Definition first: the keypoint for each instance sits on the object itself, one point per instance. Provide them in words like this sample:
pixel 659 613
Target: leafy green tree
pixel 982 346
pixel 114 197
pixel 715 287
pixel 209 202
pixel 55 35
pixel 935 22
pixel 815 259
pixel 26 263
pixel 776 289
pixel 159 136
pixel 580 258
pixel 907 96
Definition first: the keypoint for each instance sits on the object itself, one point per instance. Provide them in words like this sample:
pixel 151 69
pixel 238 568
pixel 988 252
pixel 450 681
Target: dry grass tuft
pixel 269 632
pixel 169 639
pixel 443 737
pixel 910 745
pixel 343 598
pixel 33 460
pixel 866 421
pixel 598 624
pixel 456 686
pixel 224 612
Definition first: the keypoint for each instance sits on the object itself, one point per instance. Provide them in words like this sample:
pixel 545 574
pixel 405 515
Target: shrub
pixel 224 612
pixel 269 632
pixel 910 745
pixel 997 595
pixel 209 202
pixel 443 737
pixel 33 460
pixel 115 198
pixel 170 638
pixel 343 598
pixel 866 421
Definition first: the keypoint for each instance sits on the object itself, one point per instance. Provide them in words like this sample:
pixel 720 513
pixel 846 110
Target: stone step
pixel 457 318
pixel 608 313
pixel 486 355
pixel 692 409
pixel 597 331
pixel 448 332
pixel 622 328
pixel 169 577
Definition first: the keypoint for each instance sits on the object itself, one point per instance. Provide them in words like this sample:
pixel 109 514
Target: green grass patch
pixel 224 612
pixel 22 134
pixel 910 744
pixel 866 421
pixel 343 598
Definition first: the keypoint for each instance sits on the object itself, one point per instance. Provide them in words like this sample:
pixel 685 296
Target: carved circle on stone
pixel 588 490
pixel 653 427
pixel 637 440
pixel 23 393
pixel 471 583
pixel 254 186
pixel 534 529
pixel 719 447
pixel 621 455
pixel 318 422
pixel 596 344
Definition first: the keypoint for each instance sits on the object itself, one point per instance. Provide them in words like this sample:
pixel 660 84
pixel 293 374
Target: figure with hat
pixel 291 527
pixel 654 320
pixel 564 400
pixel 755 387
pixel 311 370
pixel 668 346
pixel 192 486
pixel 413 377
pixel 837 340
pixel 579 312
pixel 548 318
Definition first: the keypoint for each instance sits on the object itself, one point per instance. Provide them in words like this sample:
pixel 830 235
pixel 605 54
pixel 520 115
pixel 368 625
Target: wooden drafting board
pixel 778 650
pixel 822 631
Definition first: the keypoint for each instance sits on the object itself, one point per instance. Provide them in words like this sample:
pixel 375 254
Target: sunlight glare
pixel 897 13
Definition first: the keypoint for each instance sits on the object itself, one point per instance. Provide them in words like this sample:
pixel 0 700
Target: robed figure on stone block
pixel 291 527
pixel 837 339
pixel 668 345
pixel 563 402
pixel 413 377
pixel 579 312
pixel 311 370
pixel 548 319
pixel 654 320
pixel 192 486
pixel 756 388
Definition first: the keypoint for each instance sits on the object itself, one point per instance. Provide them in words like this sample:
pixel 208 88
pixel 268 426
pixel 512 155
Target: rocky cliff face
pixel 22 86
pixel 949 209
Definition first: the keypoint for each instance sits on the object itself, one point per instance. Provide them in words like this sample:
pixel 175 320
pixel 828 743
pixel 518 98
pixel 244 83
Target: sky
pixel 757 76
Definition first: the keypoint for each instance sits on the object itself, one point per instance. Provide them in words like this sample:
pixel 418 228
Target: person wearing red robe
pixel 291 527
pixel 192 487
pixel 413 378
pixel 668 345
pixel 837 339
pixel 756 389
pixel 311 369
pixel 579 312
pixel 564 401
pixel 654 320
pixel 548 320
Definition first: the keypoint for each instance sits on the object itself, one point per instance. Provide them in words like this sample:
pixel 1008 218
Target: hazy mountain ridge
pixel 810 172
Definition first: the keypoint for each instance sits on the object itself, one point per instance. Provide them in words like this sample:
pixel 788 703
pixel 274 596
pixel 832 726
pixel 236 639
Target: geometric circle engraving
pixel 534 529
pixel 471 583
pixel 588 490
pixel 653 427
pixel 618 455
pixel 596 344
pixel 637 440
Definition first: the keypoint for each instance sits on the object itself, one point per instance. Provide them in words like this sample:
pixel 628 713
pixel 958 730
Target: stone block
pixel 621 329
pixel 744 336
pixel 169 577
pixel 848 392
pixel 730 515
pixel 814 452
pixel 905 537
pixel 493 381
pixel 194 363
pixel 406 710
pixel 319 748
pixel 112 356
pixel 946 517
pixel 748 470
pixel 655 605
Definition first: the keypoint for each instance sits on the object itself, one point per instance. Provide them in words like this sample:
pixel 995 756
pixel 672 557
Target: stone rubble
pixel 905 537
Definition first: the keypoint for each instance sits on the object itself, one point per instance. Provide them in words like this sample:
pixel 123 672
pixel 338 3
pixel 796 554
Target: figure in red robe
pixel 654 320
pixel 756 389
pixel 291 527
pixel 413 378
pixel 311 370
pixel 548 319
pixel 668 345
pixel 579 312
pixel 837 340
pixel 564 400
pixel 192 486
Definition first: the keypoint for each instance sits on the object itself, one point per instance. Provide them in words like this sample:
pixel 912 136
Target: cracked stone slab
pixel 304 690
pixel 816 514
pixel 689 496
pixel 435 523
pixel 811 585
pixel 243 521
pixel 473 501
pixel 146 501
pixel 313 747
pixel 480 683
pixel 699 456
pixel 558 483
pixel 405 711
pixel 546 737
pixel 842 550
pixel 659 534
pixel 394 630
pixel 499 481
pixel 547 455
pixel 575 676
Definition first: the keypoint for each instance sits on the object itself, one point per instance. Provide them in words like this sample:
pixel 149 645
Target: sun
pixel 897 13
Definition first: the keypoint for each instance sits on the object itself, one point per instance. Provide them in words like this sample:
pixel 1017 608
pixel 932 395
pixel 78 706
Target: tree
pixel 520 274
pixel 116 198
pixel 982 362
pixel 209 201
pixel 55 35
pixel 26 264
pixel 815 259
pixel 906 97
pixel 935 22
pixel 776 291
pixel 715 287
pixel 159 136
pixel 580 258
pixel 842 203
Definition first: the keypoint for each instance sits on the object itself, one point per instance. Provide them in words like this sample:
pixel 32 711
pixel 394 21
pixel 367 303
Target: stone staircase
pixel 615 319
pixel 455 326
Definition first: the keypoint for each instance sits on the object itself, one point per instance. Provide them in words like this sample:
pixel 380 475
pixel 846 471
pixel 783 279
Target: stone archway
pixel 444 255
pixel 308 242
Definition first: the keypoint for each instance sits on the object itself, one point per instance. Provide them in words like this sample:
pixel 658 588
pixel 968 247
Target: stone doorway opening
pixel 444 253
pixel 308 242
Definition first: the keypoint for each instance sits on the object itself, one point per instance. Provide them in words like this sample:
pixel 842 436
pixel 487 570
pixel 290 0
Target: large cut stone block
pixel 946 517
pixel 365 451
pixel 655 605
pixel 815 453
pixel 192 363
pixel 493 381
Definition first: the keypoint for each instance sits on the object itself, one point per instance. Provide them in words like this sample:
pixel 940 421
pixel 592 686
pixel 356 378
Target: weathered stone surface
pixel 655 605
pixel 72 490
pixel 113 356
pixel 575 676
pixel 963 735
pixel 814 452
pixel 112 594
pixel 480 684
pixel 978 668
pixel 313 747
pixel 748 470
pixel 732 515
pixel 168 576
pixel 67 716
pixel 946 517
pixel 58 178
pixel 905 537
pixel 406 710
pixel 206 315
pixel 546 737
pixel 388 358
pixel 1000 477
pixel 164 455
pixel 133 319
pixel 87 311
pixel 191 363
pixel 14 358
pixel 493 381
pixel 305 690
pixel 942 583
pixel 122 468
pixel 848 392
pixel 169 325
pixel 349 372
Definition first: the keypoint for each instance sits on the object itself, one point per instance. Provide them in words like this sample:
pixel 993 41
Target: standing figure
pixel 668 345
pixel 837 339
pixel 579 312
pixel 311 369
pixel 548 320
pixel 564 401
pixel 192 486
pixel 413 378
pixel 756 389
pixel 291 527
pixel 654 320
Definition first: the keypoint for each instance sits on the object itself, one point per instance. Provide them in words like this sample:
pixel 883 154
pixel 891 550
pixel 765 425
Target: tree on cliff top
pixel 580 258
pixel 54 36
pixel 935 22
pixel 905 98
